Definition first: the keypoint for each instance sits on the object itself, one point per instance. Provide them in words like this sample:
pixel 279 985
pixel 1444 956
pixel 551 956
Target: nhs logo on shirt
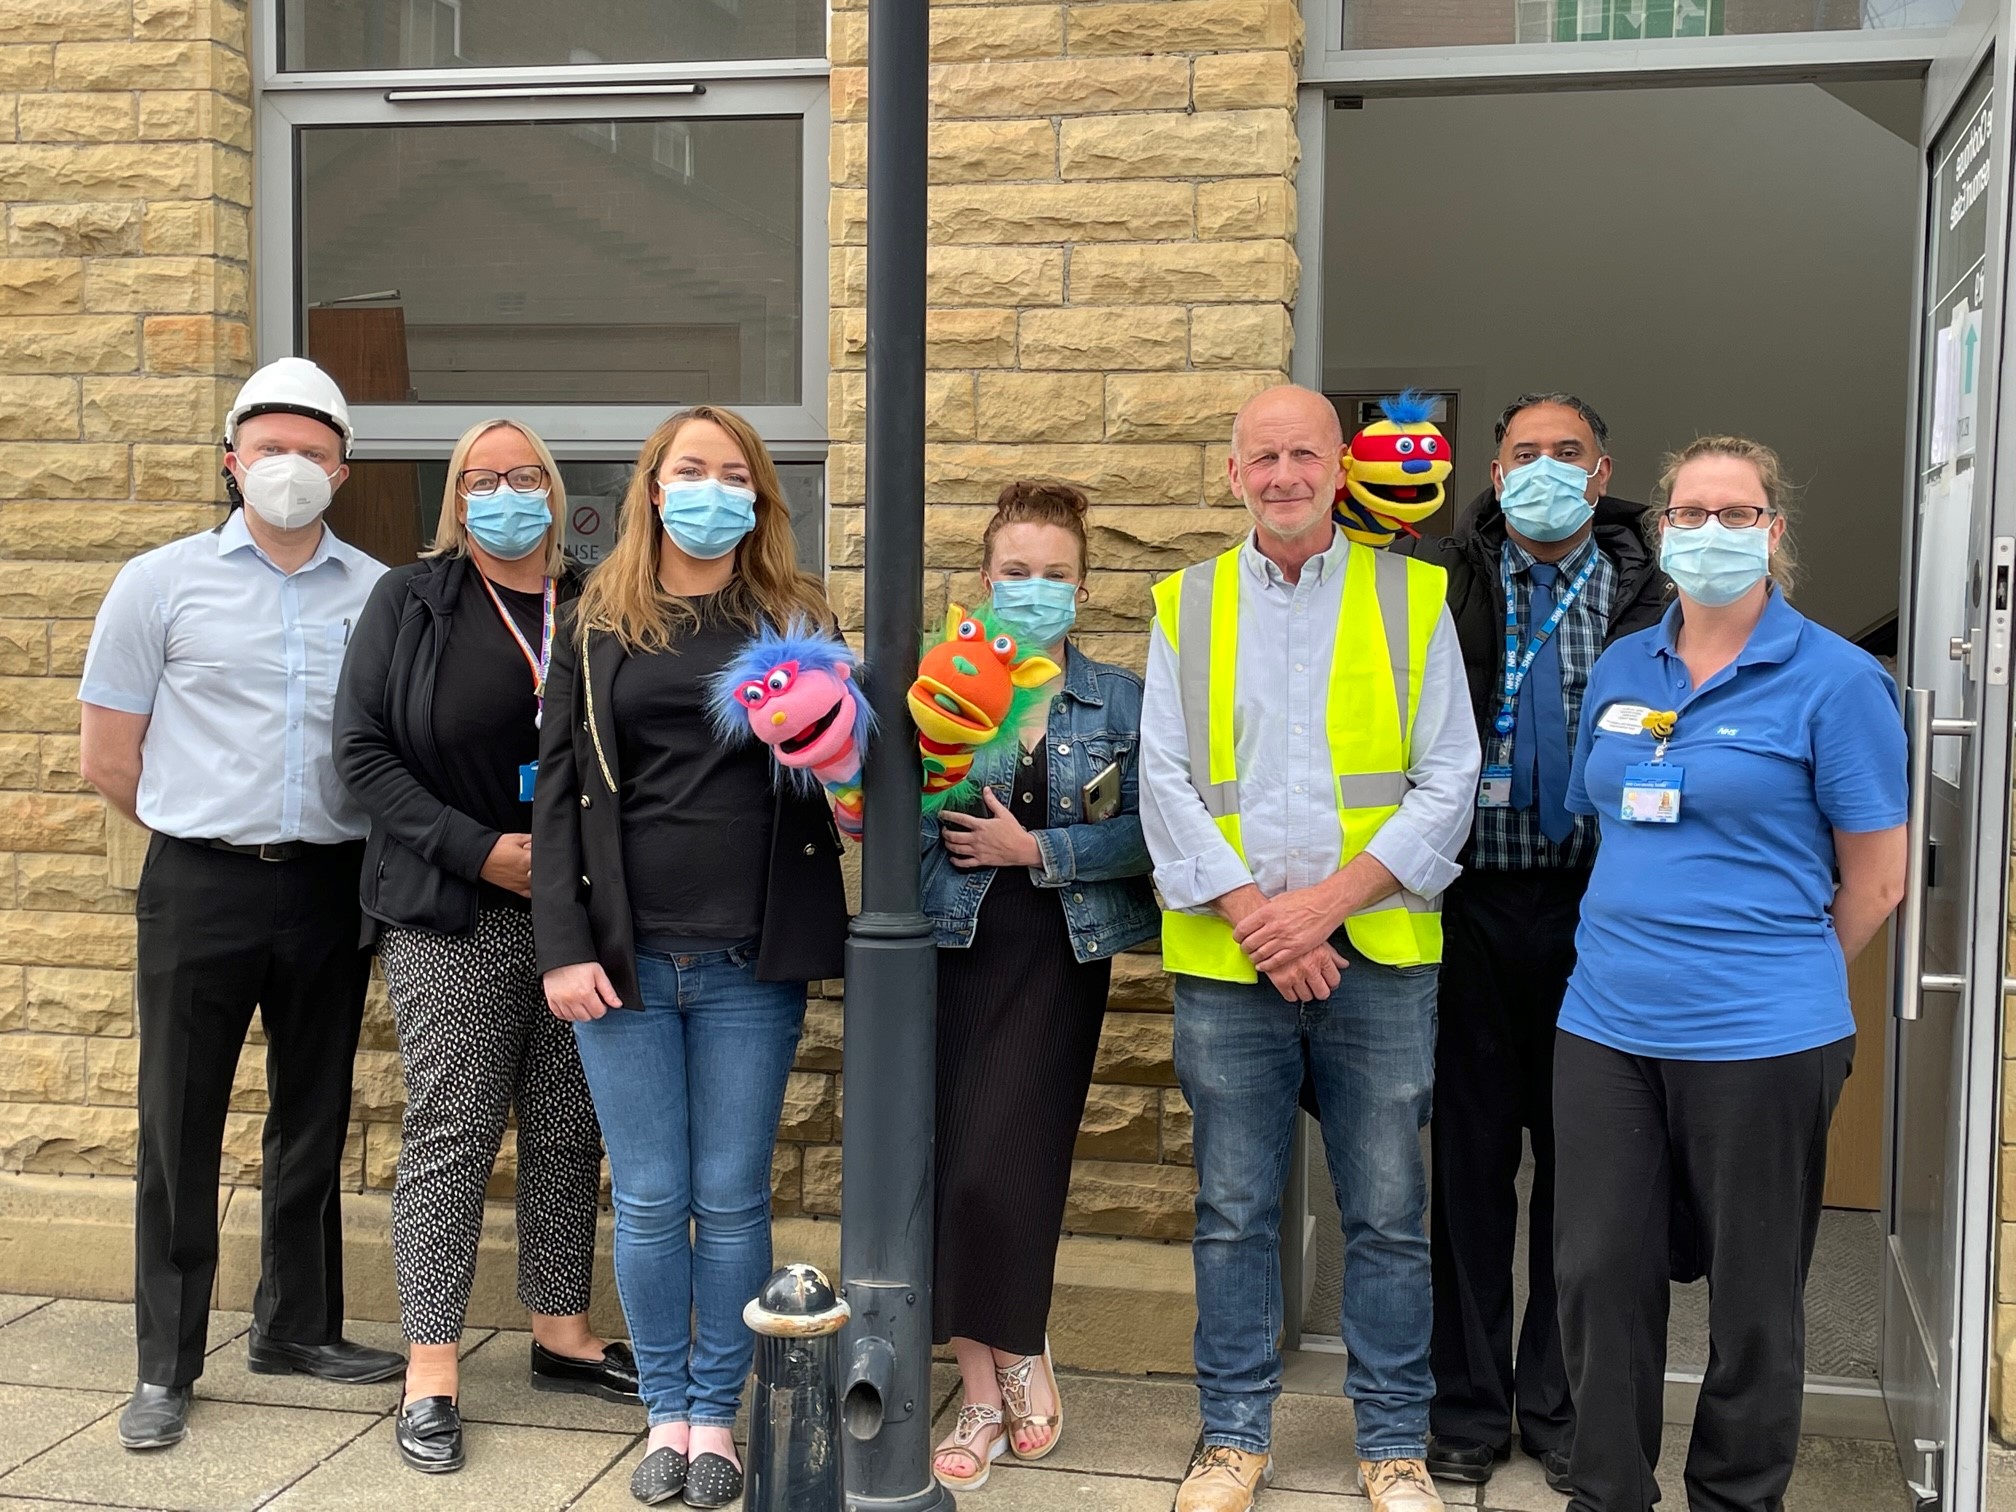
pixel 1725 729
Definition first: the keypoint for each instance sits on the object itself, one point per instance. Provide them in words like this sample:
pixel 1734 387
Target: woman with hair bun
pixel 1031 890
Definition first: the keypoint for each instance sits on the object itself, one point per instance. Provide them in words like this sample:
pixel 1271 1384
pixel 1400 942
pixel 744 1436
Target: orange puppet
pixel 972 689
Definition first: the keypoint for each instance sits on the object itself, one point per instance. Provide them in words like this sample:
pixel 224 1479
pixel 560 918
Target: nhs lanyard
pixel 538 663
pixel 1516 665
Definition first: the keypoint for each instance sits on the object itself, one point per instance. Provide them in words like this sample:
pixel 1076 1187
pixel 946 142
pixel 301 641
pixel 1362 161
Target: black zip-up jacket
pixel 580 903
pixel 1477 596
pixel 424 856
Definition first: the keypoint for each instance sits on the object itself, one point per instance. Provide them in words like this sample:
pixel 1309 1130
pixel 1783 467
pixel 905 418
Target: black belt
pixel 279 850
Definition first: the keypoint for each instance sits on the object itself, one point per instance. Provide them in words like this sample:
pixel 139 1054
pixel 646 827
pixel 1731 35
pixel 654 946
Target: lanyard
pixel 539 662
pixel 1517 666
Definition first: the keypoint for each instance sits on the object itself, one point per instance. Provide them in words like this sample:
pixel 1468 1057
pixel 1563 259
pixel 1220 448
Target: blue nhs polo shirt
pixel 1709 939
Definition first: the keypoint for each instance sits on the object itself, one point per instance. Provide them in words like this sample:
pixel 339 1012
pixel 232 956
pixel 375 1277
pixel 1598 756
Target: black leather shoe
pixel 613 1377
pixel 1553 1465
pixel 1466 1461
pixel 713 1482
pixel 155 1417
pixel 343 1362
pixel 660 1478
pixel 429 1434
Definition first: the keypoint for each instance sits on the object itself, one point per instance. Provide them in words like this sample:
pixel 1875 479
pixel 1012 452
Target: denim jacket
pixel 1099 871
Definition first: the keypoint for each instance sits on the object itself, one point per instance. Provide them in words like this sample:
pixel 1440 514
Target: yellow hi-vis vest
pixel 1390 607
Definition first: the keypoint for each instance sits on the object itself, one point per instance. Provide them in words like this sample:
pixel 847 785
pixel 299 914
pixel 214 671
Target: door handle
pixel 1920 728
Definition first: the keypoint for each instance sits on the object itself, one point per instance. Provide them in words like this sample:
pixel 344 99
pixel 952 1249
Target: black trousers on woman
pixel 1743 1145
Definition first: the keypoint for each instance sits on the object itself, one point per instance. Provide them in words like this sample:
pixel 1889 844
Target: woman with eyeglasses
pixel 1748 771
pixel 437 736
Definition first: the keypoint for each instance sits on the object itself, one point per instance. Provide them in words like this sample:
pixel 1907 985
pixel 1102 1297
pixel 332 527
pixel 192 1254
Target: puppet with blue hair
pixel 795 690
pixel 1394 470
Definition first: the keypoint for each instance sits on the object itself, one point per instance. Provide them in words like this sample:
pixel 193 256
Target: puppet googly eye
pixel 778 680
pixel 970 630
pixel 1405 446
pixel 1428 445
pixel 752 694
pixel 1004 646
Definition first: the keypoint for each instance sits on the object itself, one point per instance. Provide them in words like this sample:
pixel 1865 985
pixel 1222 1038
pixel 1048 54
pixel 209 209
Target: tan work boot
pixel 1398 1486
pixel 1223 1479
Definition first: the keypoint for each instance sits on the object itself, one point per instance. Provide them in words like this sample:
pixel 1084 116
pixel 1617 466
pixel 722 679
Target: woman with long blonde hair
pixel 437 729
pixel 681 904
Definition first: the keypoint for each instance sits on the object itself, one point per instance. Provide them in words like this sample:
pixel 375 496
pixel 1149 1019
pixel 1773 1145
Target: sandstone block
pixel 73 1000
pixel 66 20
pixel 1120 1123
pixel 58 471
pixel 969 338
pixel 1241 81
pixel 43 1068
pixel 1138 978
pixel 787 1163
pixel 967 276
pixel 191 115
pixel 38 409
pixel 1255 336
pixel 1184 272
pixel 847 94
pixel 67 1140
pixel 196 227
pixel 172 285
pixel 180 473
pixel 1136 1049
pixel 965 213
pixel 152 65
pixel 948 406
pixel 40 285
pixel 1178 406
pixel 41 171
pixel 819 1045
pixel 1106 339
pixel 964 152
pixel 1178 26
pixel 1041 407
pixel 68 344
pixel 161 20
pixel 65 939
pixel 59 822
pixel 155 409
pixel 847 157
pixel 113 1079
pixel 1143 1201
pixel 977 32
pixel 94 532
pixel 974 474
pixel 27 67
pixel 1125 537
pixel 243 1155
pixel 1178 144
pixel 847 39
pixel 377 1086
pixel 381 1158
pixel 809 1103
pixel 1235 209
pixel 19 764
pixel 847 218
pixel 55 590
pixel 1177 1147
pixel 821 1181
pixel 57 765
pixel 75 118
pixel 1061 86
pixel 73 230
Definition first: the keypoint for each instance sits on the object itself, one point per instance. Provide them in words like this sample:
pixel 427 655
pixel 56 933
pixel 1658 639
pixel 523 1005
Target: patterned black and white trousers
pixel 476 1039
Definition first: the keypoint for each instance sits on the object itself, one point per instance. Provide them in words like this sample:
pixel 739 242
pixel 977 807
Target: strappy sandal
pixel 974 1420
pixel 1014 1382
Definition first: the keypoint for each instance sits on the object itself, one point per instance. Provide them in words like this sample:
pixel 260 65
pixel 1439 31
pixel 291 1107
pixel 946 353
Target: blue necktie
pixel 1540 736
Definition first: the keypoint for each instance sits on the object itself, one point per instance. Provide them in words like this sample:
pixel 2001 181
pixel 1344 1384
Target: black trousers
pixel 1508 948
pixel 1741 1147
pixel 222 933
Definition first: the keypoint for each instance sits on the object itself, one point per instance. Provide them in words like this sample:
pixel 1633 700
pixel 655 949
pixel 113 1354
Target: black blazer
pixel 424 856
pixel 580 904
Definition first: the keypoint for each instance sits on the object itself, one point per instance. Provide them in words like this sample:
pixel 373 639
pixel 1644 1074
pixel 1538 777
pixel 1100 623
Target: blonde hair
pixel 623 596
pixel 451 535
pixel 1778 493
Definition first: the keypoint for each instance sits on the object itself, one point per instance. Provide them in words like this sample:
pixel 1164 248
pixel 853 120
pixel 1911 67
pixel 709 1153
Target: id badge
pixel 1652 793
pixel 527 775
pixel 1494 788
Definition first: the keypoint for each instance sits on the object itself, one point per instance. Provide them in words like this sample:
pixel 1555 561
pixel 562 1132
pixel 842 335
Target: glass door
pixel 1958 560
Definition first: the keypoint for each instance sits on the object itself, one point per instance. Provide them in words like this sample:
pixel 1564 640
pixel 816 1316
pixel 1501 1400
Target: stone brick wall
pixel 1111 271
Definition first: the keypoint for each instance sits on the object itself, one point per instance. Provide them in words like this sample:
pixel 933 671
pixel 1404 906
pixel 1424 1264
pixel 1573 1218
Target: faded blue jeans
pixel 1240 1054
pixel 689 1089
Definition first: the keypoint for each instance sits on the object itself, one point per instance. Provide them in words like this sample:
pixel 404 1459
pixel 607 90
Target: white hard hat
pixel 291 386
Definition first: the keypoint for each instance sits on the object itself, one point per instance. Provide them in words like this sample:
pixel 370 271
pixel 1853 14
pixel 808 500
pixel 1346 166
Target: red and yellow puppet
pixel 972 689
pixel 1394 471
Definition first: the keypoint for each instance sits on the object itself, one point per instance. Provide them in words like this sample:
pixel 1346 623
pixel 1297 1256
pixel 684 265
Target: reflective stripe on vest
pixel 1386 617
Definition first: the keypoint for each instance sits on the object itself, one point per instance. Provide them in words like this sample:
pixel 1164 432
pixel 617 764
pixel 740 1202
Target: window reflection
pixel 1454 23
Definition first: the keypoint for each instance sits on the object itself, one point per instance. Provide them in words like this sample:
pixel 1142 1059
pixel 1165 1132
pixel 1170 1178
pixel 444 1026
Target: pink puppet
pixel 794 690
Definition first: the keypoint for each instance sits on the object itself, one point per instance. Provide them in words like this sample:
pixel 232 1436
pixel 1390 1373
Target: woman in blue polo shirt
pixel 1739 758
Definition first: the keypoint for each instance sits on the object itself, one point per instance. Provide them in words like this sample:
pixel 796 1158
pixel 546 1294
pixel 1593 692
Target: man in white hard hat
pixel 208 692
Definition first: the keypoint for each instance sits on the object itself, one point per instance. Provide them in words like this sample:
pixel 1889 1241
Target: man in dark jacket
pixel 1544 572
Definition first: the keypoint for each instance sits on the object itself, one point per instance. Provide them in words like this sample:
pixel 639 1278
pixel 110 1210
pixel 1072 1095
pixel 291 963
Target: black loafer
pixel 713 1482
pixel 1468 1462
pixel 345 1363
pixel 429 1434
pixel 1553 1465
pixel 660 1478
pixel 155 1417
pixel 613 1377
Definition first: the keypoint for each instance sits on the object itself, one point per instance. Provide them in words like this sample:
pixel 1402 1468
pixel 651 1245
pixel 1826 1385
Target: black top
pixel 483 712
pixel 688 795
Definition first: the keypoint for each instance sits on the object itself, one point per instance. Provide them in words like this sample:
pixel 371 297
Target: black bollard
pixel 794 1421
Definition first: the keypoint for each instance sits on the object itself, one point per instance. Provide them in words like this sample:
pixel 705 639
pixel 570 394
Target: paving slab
pixel 1274 1500
pixel 1519 1486
pixel 13 1305
pixel 227 1378
pixel 1315 1444
pixel 1032 1488
pixel 496 1388
pixel 1118 1427
pixel 235 1458
pixel 81 1345
pixel 510 1469
pixel 611 1490
pixel 33 1417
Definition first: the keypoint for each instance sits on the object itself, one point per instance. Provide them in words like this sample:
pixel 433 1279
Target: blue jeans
pixel 689 1089
pixel 1240 1053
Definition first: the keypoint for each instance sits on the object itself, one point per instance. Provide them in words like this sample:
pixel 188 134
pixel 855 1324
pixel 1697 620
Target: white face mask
pixel 287 491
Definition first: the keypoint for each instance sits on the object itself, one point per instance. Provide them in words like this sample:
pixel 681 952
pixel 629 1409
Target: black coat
pixel 424 856
pixel 580 904
pixel 1477 596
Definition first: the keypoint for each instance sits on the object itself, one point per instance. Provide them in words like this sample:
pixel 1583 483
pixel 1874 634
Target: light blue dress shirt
pixel 236 662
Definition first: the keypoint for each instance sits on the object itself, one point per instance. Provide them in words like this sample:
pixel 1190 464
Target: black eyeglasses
pixel 1730 516
pixel 481 480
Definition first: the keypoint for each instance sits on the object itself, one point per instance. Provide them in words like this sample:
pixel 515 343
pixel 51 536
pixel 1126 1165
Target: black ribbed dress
pixel 1018 1027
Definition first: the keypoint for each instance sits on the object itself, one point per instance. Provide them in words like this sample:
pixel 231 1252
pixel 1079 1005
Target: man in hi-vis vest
pixel 1308 766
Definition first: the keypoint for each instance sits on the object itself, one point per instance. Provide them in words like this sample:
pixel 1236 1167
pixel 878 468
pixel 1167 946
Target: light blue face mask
pixel 1716 565
pixel 1040 611
pixel 1546 499
pixel 707 518
pixel 509 524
